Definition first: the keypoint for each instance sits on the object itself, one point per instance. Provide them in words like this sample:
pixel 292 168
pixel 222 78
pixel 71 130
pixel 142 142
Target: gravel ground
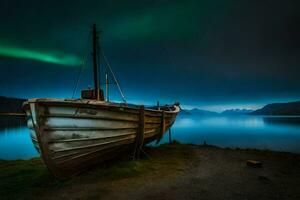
pixel 169 172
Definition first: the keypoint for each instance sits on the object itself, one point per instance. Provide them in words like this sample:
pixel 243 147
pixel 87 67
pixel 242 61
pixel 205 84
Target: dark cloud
pixel 198 52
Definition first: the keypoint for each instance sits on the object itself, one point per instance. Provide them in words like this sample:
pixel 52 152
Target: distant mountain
pixel 236 112
pixel 11 105
pixel 197 112
pixel 291 108
pixel 8 104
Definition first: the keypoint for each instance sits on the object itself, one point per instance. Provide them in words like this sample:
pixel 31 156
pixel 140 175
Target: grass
pixel 30 179
pixel 20 176
pixel 21 179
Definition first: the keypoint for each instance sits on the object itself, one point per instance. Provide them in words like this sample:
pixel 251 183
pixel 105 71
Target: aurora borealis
pixel 50 57
pixel 211 54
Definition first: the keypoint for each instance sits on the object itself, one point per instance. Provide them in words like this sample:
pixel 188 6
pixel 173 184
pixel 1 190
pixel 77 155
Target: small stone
pixel 254 163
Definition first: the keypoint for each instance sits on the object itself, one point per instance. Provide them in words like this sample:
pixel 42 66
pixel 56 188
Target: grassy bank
pixel 26 178
pixel 168 172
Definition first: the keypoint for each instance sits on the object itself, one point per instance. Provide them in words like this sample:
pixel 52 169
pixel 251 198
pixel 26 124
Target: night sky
pixel 212 54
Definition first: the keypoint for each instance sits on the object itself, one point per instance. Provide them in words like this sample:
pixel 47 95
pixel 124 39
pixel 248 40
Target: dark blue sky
pixel 213 54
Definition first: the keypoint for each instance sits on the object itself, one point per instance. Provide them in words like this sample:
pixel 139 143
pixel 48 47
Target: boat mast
pixel 97 92
pixel 95 63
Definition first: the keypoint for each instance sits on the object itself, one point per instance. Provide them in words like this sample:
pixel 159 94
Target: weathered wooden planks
pixel 73 135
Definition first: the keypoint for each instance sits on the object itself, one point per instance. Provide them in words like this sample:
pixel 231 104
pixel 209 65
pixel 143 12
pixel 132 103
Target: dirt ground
pixel 169 172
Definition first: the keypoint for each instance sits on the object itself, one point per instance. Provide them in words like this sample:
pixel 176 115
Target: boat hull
pixel 73 135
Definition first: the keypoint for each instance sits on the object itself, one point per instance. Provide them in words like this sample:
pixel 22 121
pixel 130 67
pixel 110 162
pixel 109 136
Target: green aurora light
pixel 51 57
pixel 178 22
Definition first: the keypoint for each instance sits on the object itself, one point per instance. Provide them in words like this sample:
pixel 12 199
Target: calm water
pixel 15 143
pixel 274 133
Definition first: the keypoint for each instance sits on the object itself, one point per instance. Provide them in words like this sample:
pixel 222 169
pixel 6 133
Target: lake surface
pixel 243 131
pixel 15 143
pixel 273 133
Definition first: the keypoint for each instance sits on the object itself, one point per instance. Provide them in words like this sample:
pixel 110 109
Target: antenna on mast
pixel 97 92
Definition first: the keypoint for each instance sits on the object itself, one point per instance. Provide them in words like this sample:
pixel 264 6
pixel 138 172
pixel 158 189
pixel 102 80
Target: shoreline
pixel 186 144
pixel 170 171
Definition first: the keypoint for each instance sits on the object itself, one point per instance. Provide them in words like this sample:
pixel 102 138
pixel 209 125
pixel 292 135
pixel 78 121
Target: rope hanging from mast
pixel 113 75
pixel 96 58
pixel 84 61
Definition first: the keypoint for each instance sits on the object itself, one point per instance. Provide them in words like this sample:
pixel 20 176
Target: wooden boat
pixel 74 134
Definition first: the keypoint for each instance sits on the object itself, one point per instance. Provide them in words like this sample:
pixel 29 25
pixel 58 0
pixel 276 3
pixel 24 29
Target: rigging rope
pixel 113 75
pixel 85 56
pixel 84 61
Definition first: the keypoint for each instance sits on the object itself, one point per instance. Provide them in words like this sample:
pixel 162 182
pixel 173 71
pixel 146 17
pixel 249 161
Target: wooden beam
pixel 170 136
pixel 12 114
pixel 162 127
pixel 139 140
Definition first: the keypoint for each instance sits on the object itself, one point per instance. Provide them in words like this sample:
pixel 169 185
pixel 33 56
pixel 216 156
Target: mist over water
pixel 241 131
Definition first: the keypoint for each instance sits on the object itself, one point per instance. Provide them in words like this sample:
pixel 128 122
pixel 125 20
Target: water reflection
pixel 11 121
pixel 220 121
pixel 15 143
pixel 274 133
pixel 281 120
